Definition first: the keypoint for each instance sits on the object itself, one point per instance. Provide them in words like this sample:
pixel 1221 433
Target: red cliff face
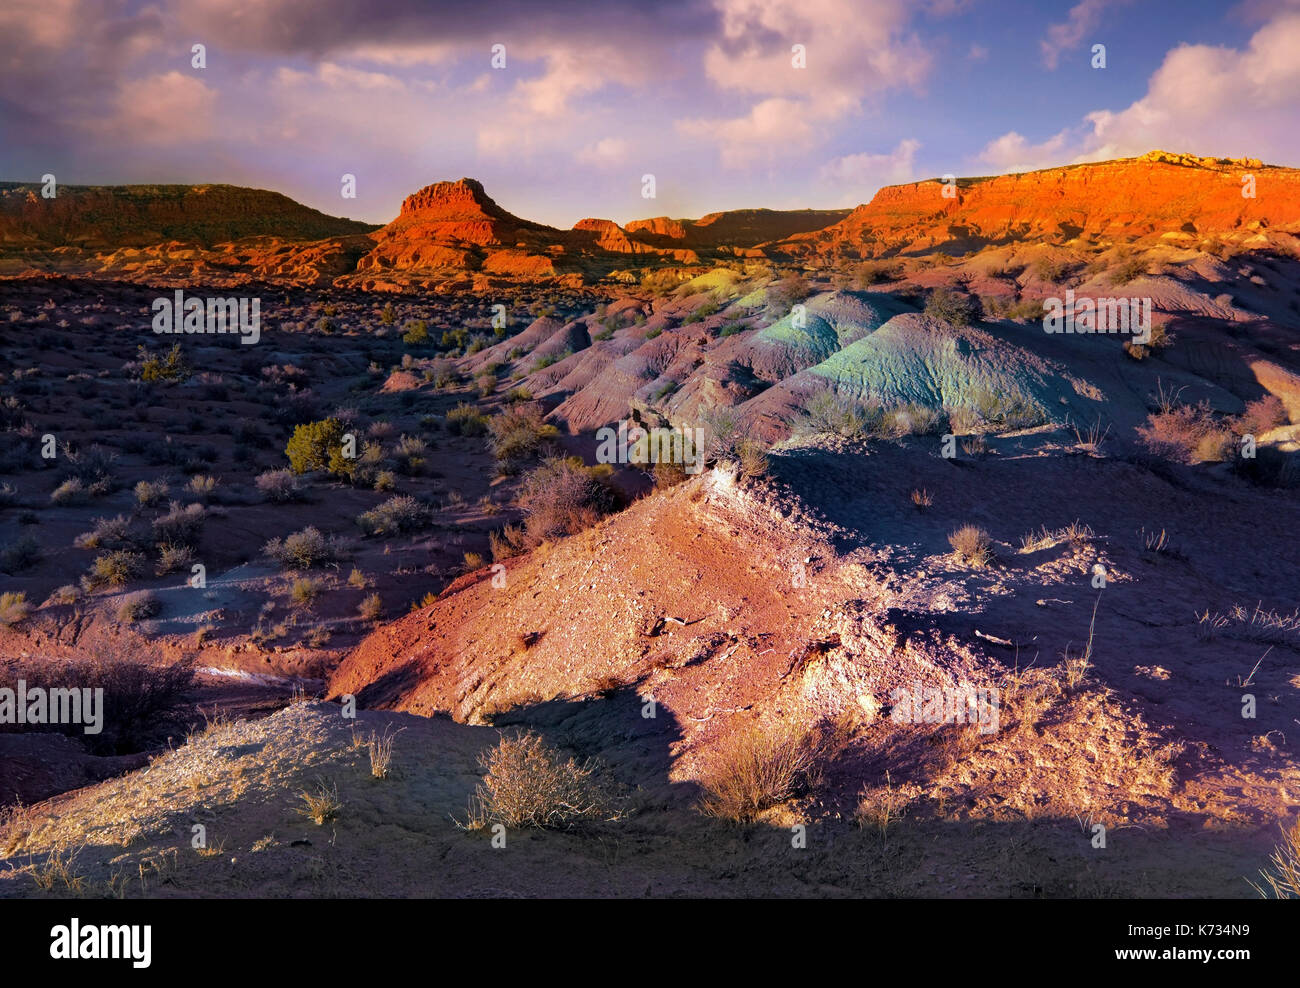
pixel 1114 201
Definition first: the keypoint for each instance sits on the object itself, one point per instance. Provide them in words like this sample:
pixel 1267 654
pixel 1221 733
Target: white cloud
pixel 1204 99
pixel 855 50
pixel 858 171
pixel 1083 19
pixel 607 151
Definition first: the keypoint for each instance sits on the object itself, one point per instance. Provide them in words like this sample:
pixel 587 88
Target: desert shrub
pixel 972 545
pixel 170 366
pixel 150 492
pixel 113 569
pixel 751 458
pixel 1260 416
pixel 108 533
pixel 759 766
pixel 371 607
pixel 385 480
pixel 1126 269
pixel 13 608
pixel 304 591
pixel 202 485
pixel 561 497
pixel 518 394
pixel 142 703
pixel 279 486
pixel 174 557
pixel 71 491
pixel 910 420
pixel 180 526
pixel 518 434
pixel 954 308
pixel 22 553
pixel 869 273
pixel 1185 434
pixel 787 292
pixel 668 473
pixel 411 454
pixel 829 414
pixel 316 446
pixel 139 607
pixel 417 333
pixel 1281 878
pixel 466 420
pixel 395 516
pixel 703 311
pixel 1048 268
pixel 508 542
pixel 1011 411
pixel 530 783
pixel 307 549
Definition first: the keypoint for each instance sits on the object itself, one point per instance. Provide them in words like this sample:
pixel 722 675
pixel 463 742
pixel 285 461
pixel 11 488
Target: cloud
pixel 171 108
pixel 1083 19
pixel 1203 99
pixel 865 170
pixel 854 50
pixel 1012 152
pixel 608 151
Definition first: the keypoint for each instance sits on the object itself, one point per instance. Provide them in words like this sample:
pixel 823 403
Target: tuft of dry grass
pixel 13 608
pixel 528 782
pixel 882 807
pixel 759 766
pixel 972 545
pixel 58 872
pixel 922 498
pixel 323 804
pixel 1281 879
pixel 380 747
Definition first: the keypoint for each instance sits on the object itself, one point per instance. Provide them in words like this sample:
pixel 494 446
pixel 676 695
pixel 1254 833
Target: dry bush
pixel 1261 416
pixel 139 607
pixel 13 608
pixel 396 516
pixel 562 497
pixel 148 493
pixel 304 591
pixel 668 473
pixel 882 806
pixel 108 533
pixel 530 783
pixel 518 434
pixel 380 748
pixel 174 557
pixel 307 549
pixel 1186 434
pixel 142 703
pixel 758 766
pixel 180 526
pixel 972 545
pixel 22 553
pixel 279 486
pixel 323 804
pixel 508 542
pixel 922 498
pixel 371 607
pixel 1281 879
pixel 112 569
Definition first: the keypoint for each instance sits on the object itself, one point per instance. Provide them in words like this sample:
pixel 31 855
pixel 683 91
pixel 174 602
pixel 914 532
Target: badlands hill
pixel 1174 198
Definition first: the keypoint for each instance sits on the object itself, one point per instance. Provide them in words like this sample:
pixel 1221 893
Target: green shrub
pixel 317 446
pixel 466 420
pixel 395 516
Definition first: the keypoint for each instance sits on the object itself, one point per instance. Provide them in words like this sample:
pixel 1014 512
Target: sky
pixel 704 95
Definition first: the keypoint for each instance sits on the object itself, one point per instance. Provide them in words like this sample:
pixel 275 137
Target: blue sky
pixel 700 93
